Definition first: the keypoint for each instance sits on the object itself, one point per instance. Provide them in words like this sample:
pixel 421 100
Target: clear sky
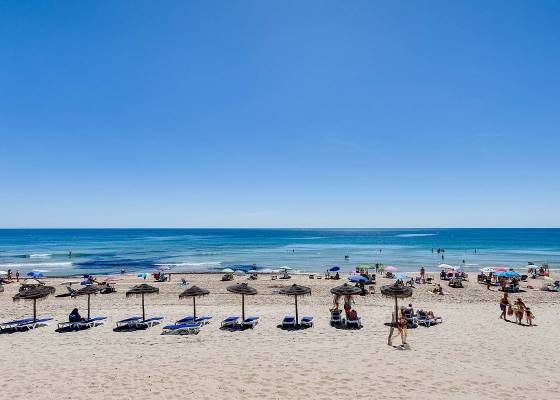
pixel 279 113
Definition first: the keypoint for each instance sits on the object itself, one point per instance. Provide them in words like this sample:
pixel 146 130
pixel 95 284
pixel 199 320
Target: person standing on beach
pixel 423 273
pixel 504 304
pixel 17 275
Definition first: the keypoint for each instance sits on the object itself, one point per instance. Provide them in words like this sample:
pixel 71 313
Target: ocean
pixel 105 251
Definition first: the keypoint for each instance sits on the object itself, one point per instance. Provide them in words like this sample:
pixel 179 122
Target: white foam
pixel 191 264
pixel 28 265
pixel 409 235
pixel 45 255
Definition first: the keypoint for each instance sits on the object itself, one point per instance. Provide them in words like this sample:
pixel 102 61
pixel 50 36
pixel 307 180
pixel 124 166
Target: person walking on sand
pixel 519 309
pixel 402 329
pixel 17 275
pixel 504 304
pixel 422 274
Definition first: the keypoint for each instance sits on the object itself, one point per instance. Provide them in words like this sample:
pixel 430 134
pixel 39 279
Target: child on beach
pixel 530 316
pixel 504 303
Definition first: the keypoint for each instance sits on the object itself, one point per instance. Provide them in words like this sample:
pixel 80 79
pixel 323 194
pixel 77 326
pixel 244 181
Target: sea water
pixel 80 251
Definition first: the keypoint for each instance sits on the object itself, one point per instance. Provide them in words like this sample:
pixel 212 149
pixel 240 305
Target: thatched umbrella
pixel 295 290
pixel 346 290
pixel 35 293
pixel 88 291
pixel 141 290
pixel 397 291
pixel 244 290
pixel 194 292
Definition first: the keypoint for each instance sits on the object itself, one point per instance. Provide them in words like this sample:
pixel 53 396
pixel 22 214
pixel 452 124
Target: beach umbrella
pixel 35 293
pixel 3 272
pixel 358 278
pixel 507 274
pixel 346 290
pixel 397 291
pixel 227 271
pixel 500 269
pixel 35 274
pixel 88 291
pixel 285 268
pixel 244 290
pixel 143 275
pixel 365 266
pixel 487 270
pixel 445 266
pixel 334 269
pixel 194 292
pixel 252 271
pixel 401 277
pixel 295 290
pixel 142 290
pixel 239 273
pixel 390 268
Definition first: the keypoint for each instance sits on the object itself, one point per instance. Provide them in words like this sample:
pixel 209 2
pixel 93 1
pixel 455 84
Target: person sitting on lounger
pixel 75 316
pixel 352 315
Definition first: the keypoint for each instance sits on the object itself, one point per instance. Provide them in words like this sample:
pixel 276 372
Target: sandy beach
pixel 473 354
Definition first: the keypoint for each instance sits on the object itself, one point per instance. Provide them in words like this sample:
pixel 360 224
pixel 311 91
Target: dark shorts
pixel 502 307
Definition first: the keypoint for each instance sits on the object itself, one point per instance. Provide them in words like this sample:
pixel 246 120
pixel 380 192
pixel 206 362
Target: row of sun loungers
pixel 190 325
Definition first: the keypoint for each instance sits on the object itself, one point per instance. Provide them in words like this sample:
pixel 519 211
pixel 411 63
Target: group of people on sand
pixel 10 277
pixel 519 309
pixel 351 313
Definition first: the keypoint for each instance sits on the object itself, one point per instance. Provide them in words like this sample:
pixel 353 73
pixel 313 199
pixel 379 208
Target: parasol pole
pixel 34 310
pixel 143 310
pixel 194 307
pixel 243 307
pixel 297 319
pixel 88 296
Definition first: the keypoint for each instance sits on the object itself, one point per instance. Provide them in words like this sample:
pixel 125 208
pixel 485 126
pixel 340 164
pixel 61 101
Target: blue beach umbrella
pixel 35 274
pixel 334 269
pixel 507 274
pixel 358 278
pixel 85 283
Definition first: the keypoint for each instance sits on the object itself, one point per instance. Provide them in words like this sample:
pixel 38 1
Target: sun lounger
pixel 87 323
pixel 288 322
pixel 13 324
pixel 422 319
pixel 250 322
pixel 307 321
pixel 202 320
pixel 28 325
pixel 147 322
pixel 181 329
pixel 230 321
pixel 127 322
pixel 354 323
pixel 336 317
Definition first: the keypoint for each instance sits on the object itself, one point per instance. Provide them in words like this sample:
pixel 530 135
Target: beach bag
pixel 510 310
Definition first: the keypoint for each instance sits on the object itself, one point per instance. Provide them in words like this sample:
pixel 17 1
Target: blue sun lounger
pixel 307 321
pixel 88 323
pixel 28 325
pixel 128 322
pixel 202 320
pixel 250 322
pixel 230 321
pixel 181 329
pixel 147 322
pixel 12 324
pixel 289 322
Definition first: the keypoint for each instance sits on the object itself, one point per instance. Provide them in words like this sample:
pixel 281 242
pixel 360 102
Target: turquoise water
pixel 110 250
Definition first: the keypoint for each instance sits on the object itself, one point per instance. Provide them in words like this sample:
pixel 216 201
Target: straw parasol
pixel 346 290
pixel 142 290
pixel 194 292
pixel 88 291
pixel 295 290
pixel 397 291
pixel 244 290
pixel 35 293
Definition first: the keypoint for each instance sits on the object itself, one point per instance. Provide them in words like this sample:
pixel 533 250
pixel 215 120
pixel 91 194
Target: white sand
pixel 471 355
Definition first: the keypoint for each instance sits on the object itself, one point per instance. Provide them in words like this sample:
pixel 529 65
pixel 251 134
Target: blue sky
pixel 282 114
